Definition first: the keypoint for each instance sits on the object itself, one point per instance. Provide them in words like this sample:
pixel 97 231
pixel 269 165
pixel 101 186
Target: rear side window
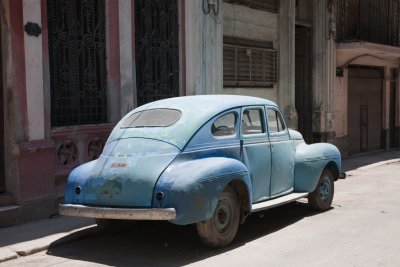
pixel 224 125
pixel 160 117
pixel 252 121
pixel 275 122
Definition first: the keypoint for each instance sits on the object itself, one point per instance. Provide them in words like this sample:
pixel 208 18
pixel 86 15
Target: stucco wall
pixel 367 54
pixel 34 72
pixel 243 22
pixel 352 57
pixel 340 105
pixel 203 44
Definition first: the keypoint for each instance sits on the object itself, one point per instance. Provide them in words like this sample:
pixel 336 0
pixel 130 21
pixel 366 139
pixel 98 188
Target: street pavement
pixel 360 230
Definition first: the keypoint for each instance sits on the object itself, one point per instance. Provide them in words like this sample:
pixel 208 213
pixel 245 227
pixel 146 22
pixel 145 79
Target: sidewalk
pixel 32 237
pixel 370 160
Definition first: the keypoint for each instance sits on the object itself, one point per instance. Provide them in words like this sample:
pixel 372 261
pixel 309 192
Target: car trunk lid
pixel 127 171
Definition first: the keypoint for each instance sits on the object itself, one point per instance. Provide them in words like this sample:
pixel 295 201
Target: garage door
pixel 364 109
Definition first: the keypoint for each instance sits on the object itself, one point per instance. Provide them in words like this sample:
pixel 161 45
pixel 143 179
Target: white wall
pixel 125 51
pixel 203 43
pixel 243 22
pixel 34 72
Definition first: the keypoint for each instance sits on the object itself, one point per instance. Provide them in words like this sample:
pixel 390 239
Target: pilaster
pixel 203 44
pixel 286 91
pixel 323 70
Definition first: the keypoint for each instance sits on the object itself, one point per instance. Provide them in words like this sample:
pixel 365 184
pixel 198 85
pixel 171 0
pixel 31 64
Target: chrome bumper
pixel 117 213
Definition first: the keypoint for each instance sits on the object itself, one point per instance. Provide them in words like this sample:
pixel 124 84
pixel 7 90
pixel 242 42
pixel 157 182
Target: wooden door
pixel 364 124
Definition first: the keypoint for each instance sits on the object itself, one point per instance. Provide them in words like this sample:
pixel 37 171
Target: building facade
pixel 366 87
pixel 68 75
pixel 72 68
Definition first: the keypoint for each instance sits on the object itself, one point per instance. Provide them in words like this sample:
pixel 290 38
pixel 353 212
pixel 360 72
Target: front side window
pixel 224 125
pixel 252 121
pixel 275 122
pixel 160 117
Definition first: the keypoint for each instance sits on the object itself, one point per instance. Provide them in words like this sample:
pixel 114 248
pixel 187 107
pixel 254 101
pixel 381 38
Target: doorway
pixel 364 124
pixel 303 95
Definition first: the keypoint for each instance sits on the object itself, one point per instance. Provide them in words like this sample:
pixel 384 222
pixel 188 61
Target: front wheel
pixel 221 228
pixel 321 198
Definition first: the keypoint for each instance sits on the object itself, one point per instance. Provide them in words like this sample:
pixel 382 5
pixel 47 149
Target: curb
pixel 41 244
pixel 373 165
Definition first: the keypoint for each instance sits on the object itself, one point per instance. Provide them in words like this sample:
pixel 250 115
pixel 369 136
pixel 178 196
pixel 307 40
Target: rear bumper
pixel 117 213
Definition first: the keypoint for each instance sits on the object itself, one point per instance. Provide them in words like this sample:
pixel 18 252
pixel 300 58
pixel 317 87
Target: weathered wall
pixel 34 72
pixel 30 141
pixel 369 55
pixel 126 56
pixel 286 91
pixel 203 44
pixel 323 72
pixel 14 87
pixel 243 22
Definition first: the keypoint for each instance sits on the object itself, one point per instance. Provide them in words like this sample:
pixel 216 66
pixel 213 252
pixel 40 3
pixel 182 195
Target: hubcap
pixel 223 215
pixel 325 188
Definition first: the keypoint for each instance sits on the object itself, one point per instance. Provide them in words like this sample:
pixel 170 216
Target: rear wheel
pixel 221 228
pixel 321 198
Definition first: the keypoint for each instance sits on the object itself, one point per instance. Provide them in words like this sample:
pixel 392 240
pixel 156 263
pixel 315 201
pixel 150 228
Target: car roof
pixel 196 111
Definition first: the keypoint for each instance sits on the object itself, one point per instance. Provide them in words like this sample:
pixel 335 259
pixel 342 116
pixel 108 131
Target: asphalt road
pixel 362 229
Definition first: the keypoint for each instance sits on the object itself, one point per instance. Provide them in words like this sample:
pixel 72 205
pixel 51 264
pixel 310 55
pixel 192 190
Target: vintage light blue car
pixel 209 160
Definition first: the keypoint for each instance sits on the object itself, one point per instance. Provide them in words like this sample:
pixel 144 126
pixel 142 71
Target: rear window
pixel 160 117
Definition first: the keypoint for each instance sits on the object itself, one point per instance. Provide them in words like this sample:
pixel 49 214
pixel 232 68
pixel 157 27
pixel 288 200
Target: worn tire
pixel 221 228
pixel 321 198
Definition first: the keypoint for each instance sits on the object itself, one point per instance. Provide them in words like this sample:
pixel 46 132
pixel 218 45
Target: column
pixel 286 91
pixel 203 42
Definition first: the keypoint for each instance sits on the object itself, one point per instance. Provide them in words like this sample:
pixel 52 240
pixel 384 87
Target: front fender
pixel 194 187
pixel 310 162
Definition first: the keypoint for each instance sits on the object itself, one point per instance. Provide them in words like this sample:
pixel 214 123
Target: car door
pixel 282 165
pixel 256 150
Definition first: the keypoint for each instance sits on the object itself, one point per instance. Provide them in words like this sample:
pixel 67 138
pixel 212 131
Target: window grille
pixel 267 5
pixel 77 62
pixel 249 63
pixel 157 49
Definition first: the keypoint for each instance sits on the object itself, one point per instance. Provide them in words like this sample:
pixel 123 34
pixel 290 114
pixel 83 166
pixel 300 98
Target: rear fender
pixel 310 162
pixel 194 187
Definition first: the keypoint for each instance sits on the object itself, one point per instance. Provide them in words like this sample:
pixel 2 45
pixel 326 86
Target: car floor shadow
pixel 165 244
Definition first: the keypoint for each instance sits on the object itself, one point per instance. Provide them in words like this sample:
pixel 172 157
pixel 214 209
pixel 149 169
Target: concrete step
pixel 6 199
pixel 9 215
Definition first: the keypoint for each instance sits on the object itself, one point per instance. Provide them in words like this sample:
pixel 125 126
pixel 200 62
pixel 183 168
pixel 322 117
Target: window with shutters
pixel 249 63
pixel 267 5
